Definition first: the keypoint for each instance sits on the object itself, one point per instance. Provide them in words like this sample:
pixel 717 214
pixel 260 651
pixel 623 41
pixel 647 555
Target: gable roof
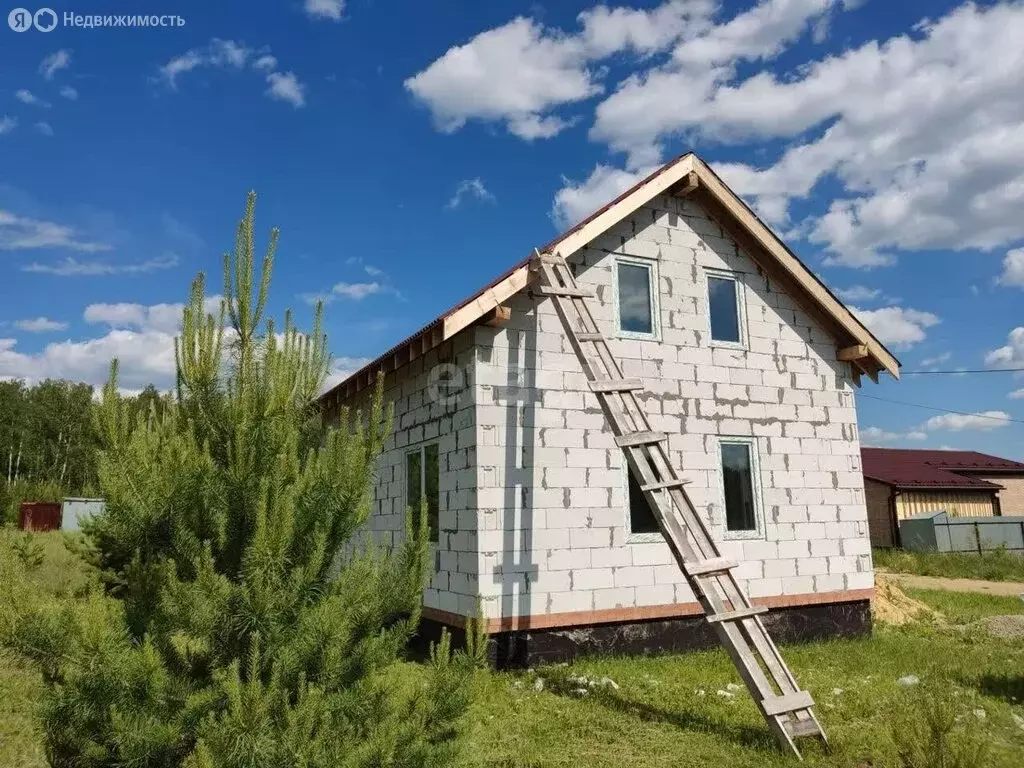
pixel 687 174
pixel 910 468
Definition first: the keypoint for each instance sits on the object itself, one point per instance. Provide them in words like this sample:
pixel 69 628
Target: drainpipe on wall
pixel 897 540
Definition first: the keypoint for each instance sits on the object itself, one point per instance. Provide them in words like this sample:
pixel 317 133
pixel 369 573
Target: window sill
pixel 644 538
pixel 743 535
pixel 736 346
pixel 635 336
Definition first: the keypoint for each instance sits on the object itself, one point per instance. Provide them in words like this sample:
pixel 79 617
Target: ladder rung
pixel 791 702
pixel 585 336
pixel 640 438
pixel 578 293
pixel 674 483
pixel 797 728
pixel 713 565
pixel 742 613
pixel 616 385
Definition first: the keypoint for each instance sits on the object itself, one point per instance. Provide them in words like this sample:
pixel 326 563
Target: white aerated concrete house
pixel 750 365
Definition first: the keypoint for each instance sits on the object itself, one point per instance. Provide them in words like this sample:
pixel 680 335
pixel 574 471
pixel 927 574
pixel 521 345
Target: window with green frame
pixel 423 483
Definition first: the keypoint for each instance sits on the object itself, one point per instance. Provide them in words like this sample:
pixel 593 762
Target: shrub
pixel 934 729
pixel 241 636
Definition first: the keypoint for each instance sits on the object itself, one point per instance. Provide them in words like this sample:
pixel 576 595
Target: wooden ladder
pixel 735 620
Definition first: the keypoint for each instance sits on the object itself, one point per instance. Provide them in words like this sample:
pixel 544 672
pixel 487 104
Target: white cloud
pixel 511 74
pixel 70 267
pixel 54 62
pixel 23 233
pixel 469 188
pixel 1013 269
pixel 928 362
pixel 179 65
pixel 957 422
pixel 7 124
pixel 44 128
pixel 146 358
pixel 40 325
pixel 140 336
pixel 285 86
pixel 164 318
pixel 578 199
pixel 896 325
pixel 1017 394
pixel 231 54
pixel 325 9
pixel 69 93
pixel 858 293
pixel 353 291
pixel 356 291
pixel 923 132
pixel 342 368
pixel 870 436
pixel 1011 355
pixel 26 96
pixel 223 54
pixel 266 62
pixel 681 95
pixel 517 73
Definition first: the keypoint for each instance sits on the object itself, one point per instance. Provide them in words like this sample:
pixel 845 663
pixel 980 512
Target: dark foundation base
pixel 529 648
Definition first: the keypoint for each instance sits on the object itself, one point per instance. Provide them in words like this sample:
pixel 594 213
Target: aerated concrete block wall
pixel 551 489
pixel 433 402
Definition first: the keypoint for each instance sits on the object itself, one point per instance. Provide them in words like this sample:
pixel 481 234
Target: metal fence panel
pixel 962 534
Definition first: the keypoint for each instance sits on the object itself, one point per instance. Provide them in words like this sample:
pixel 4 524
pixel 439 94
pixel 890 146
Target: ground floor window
pixel 423 482
pixel 739 485
pixel 641 519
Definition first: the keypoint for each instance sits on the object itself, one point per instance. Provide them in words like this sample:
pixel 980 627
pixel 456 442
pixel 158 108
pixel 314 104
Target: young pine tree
pixel 243 636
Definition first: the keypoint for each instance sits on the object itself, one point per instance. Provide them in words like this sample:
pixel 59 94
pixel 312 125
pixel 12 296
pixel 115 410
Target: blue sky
pixel 410 152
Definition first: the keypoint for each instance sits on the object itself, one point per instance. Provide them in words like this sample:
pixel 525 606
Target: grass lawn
pixel 658 716
pixel 667 710
pixel 966 607
pixel 989 566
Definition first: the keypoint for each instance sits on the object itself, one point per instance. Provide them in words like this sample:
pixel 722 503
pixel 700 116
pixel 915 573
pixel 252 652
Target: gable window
pixel 636 302
pixel 423 482
pixel 739 486
pixel 724 308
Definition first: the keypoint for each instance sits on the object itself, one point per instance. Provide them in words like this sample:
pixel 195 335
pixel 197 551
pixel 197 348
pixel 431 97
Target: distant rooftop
pixel 911 468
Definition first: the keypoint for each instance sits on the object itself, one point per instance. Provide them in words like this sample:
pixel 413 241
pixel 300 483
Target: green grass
pixel 965 607
pixel 658 716
pixel 989 566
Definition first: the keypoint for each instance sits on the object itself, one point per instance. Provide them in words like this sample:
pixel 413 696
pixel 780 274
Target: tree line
pixel 49 442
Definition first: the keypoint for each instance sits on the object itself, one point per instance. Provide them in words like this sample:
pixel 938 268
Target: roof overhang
pixel 686 175
pixel 986 488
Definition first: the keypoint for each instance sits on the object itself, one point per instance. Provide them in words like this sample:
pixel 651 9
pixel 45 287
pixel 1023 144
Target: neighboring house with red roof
pixel 749 366
pixel 900 482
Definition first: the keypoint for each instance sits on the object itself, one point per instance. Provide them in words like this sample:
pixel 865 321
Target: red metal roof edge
pixel 440 318
pixel 975 485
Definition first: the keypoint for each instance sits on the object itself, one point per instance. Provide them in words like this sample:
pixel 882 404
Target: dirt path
pixel 1012 588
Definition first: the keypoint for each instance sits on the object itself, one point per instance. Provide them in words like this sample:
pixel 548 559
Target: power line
pixel 976 370
pixel 944 410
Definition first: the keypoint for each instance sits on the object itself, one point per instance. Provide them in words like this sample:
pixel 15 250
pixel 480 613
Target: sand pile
pixel 892 606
